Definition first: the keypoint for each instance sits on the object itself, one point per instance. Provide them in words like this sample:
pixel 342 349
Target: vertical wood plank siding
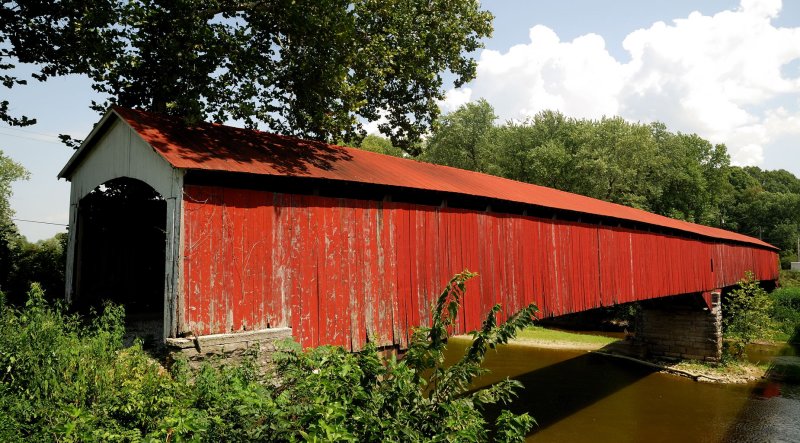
pixel 341 271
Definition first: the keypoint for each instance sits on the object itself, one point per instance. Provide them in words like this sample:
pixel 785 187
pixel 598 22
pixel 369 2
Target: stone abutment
pixel 682 327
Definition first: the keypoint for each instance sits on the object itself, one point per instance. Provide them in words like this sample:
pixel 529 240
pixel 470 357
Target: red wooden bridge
pixel 344 245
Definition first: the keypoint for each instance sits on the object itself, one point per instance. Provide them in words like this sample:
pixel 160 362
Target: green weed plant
pixel 66 379
pixel 746 315
pixel 786 311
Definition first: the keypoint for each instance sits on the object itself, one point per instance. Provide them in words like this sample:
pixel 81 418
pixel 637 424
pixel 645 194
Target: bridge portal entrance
pixel 121 254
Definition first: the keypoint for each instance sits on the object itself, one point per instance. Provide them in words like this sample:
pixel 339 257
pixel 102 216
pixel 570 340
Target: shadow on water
pixel 580 396
pixel 558 391
pixel 558 384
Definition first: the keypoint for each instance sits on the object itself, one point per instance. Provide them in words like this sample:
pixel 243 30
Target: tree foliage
pixel 376 143
pixel 462 138
pixel 59 36
pixel 42 262
pixel 22 262
pixel 765 204
pixel 10 171
pixel 314 68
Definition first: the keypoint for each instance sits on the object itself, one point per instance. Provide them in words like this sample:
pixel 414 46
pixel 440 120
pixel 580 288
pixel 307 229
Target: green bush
pixel 746 314
pixel 65 380
pixel 790 279
pixel 786 310
pixel 22 263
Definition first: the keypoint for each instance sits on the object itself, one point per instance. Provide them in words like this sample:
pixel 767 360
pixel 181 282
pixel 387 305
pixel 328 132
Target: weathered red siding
pixel 341 270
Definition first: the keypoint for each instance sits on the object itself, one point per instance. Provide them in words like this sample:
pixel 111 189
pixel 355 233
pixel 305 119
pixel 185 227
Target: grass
pixel 539 333
pixel 777 336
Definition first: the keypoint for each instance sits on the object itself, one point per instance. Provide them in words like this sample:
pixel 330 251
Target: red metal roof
pixel 217 147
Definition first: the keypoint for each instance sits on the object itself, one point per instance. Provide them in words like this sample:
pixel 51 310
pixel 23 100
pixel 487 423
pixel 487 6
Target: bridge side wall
pixel 341 271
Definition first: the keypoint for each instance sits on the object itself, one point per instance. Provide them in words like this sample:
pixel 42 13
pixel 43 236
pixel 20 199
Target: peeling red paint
pixel 340 270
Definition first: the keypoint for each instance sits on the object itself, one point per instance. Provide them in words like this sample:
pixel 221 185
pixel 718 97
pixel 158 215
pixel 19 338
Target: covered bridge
pixel 212 229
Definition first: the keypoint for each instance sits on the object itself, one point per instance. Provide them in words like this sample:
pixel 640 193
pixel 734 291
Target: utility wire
pixel 29 138
pixel 40 222
pixel 14 128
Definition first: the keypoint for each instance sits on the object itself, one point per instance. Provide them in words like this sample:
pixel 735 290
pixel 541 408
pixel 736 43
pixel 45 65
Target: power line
pixel 40 222
pixel 13 128
pixel 29 138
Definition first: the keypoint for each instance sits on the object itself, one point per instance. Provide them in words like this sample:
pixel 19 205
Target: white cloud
pixel 455 98
pixel 578 77
pixel 749 155
pixel 719 76
pixel 372 127
pixel 765 8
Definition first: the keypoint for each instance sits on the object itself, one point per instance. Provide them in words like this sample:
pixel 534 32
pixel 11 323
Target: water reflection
pixel 577 396
pixel 765 353
pixel 767 417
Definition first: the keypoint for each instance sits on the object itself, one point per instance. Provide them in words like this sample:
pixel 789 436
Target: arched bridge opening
pixel 121 254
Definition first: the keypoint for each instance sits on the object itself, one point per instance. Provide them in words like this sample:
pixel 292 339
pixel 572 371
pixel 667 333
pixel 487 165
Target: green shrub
pixel 786 310
pixel 65 380
pixel 22 263
pixel 68 381
pixel 790 279
pixel 747 314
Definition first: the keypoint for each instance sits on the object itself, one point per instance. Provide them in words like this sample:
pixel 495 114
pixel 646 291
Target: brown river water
pixel 576 396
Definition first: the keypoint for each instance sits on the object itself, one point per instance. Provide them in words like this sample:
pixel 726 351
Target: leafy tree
pixel 781 180
pixel 763 204
pixel 539 150
pixel 9 239
pixel 42 262
pixel 313 68
pixel 59 36
pixel 381 145
pixel 786 310
pixel 693 177
pixel 617 161
pixel 644 166
pixel 10 171
pixel 462 138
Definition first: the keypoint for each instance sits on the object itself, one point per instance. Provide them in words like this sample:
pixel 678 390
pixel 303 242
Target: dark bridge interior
pixel 121 254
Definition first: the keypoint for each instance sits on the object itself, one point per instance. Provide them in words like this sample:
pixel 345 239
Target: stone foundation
pixel 232 347
pixel 681 327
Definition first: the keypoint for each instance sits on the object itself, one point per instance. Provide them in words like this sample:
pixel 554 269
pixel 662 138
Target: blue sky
pixel 727 70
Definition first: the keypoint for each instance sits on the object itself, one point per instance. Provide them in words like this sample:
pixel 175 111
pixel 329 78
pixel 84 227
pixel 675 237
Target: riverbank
pixel 540 337
pixel 736 372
